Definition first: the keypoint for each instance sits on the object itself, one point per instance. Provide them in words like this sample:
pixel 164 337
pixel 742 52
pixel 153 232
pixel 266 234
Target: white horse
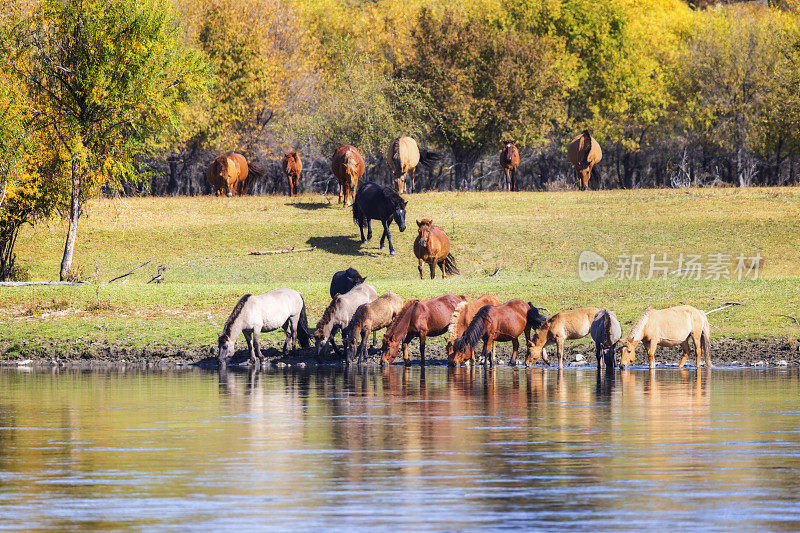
pixel 669 327
pixel 281 308
pixel 338 314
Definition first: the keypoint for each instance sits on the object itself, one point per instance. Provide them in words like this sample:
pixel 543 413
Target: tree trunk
pixel 464 164
pixel 74 211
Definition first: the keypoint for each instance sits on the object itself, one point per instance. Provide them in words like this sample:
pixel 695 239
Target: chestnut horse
pixel 509 161
pixel 462 316
pixel 292 167
pixel 348 167
pixel 498 323
pixel 403 156
pixel 584 153
pixel 432 246
pixel 228 174
pixel 564 326
pixel 418 318
pixel 669 327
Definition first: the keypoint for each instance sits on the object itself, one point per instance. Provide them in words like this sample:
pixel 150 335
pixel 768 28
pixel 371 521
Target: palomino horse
pixel 584 153
pixel 228 174
pixel 462 316
pixel 498 323
pixel 292 167
pixel 606 332
pixel 338 315
pixel 509 161
pixel 369 318
pixel 669 327
pixel 265 312
pixel 564 326
pixel 432 246
pixel 344 280
pixel 403 156
pixel 348 167
pixel 377 202
pixel 418 318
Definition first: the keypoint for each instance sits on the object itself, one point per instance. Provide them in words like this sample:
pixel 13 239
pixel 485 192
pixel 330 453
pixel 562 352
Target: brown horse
pixel 403 156
pixel 348 167
pixel 462 316
pixel 497 323
pixel 564 326
pixel 669 327
pixel 418 318
pixel 584 153
pixel 509 161
pixel 432 246
pixel 369 318
pixel 228 174
pixel 292 167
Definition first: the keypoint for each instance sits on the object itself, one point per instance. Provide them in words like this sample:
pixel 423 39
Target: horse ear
pixel 419 224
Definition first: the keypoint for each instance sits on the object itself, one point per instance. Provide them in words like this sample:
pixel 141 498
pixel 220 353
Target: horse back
pixel 347 163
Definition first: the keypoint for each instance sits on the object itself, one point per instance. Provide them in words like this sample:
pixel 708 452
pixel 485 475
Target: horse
pixel 509 161
pixel 228 174
pixel 403 156
pixel 292 166
pixel 263 313
pixel 418 318
pixel 584 153
pixel 370 317
pixel 606 332
pixel 377 202
pixel 497 323
pixel 338 315
pixel 432 246
pixel 669 327
pixel 348 167
pixel 344 280
pixel 564 326
pixel 462 316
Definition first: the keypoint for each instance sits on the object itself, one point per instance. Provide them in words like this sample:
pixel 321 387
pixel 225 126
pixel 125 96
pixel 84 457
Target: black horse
pixel 344 280
pixel 377 202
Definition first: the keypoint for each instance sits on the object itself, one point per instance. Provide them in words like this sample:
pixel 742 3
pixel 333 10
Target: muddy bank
pixel 100 354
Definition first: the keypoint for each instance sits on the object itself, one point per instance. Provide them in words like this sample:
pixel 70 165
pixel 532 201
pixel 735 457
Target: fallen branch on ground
pixel 28 283
pixel 131 272
pixel 724 306
pixel 793 318
pixel 286 251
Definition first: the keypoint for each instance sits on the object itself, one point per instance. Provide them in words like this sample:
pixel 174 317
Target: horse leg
pixel 444 274
pixel 406 360
pixel 420 269
pixel 514 179
pixel 432 264
pixel 291 187
pixel 361 228
pixel 685 348
pixel 293 321
pixel 333 340
pixel 257 347
pixel 388 235
pixel 493 351
pixel 411 175
pixel 248 336
pixel 515 345
pixel 422 349
pixel 508 179
pixel 696 339
pixel 341 191
pixel 651 353
pixel 369 230
pixel 362 352
pixel 560 346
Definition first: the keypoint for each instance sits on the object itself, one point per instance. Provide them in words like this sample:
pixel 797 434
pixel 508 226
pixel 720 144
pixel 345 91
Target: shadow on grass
pixel 337 244
pixel 311 206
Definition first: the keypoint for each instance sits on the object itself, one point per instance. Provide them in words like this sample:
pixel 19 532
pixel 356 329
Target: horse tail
pixel 303 335
pixel 705 341
pixel 358 215
pixel 427 158
pixel 450 265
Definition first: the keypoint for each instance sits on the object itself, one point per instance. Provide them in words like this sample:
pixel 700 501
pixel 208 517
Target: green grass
pixel 533 238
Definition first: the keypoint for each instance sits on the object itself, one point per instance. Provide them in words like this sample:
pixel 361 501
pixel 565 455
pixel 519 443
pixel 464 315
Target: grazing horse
pixel 348 167
pixel 584 153
pixel 432 246
pixel 227 174
pixel 370 317
pixel 377 202
pixel 606 332
pixel 403 156
pixel 509 161
pixel 497 323
pixel 462 316
pixel 344 280
pixel 564 326
pixel 338 315
pixel 262 313
pixel 418 318
pixel 669 327
pixel 292 167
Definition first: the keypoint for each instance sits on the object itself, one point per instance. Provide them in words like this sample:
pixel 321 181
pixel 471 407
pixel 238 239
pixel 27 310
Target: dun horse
pixel 418 318
pixel 262 313
pixel 606 332
pixel 669 327
pixel 369 318
pixel 432 246
pixel 338 315
pixel 376 202
pixel 403 156
pixel 509 161
pixel 584 153
pixel 561 327
pixel 462 316
pixel 292 167
pixel 348 167
pixel 228 173
pixel 344 280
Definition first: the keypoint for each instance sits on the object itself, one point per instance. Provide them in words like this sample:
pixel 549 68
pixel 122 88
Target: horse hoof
pixel 391 252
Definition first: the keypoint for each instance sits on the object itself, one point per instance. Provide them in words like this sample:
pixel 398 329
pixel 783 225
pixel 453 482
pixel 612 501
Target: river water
pixel 399 449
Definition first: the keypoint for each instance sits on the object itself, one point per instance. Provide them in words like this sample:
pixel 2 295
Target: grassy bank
pixel 522 245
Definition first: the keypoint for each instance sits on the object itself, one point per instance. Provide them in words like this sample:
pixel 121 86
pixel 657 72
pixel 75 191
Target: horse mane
pixel 403 316
pixel 608 327
pixel 638 327
pixel 453 327
pixel 328 314
pixel 474 332
pixel 237 310
pixel 394 197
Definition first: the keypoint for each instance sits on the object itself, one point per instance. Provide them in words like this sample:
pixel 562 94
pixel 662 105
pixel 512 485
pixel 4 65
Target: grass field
pixel 534 239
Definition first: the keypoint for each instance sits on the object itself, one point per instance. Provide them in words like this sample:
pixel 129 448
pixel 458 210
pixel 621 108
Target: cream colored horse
pixel 564 326
pixel 669 327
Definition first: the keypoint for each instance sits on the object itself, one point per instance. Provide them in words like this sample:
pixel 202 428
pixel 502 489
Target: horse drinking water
pixel 606 332
pixel 377 202
pixel 432 246
pixel 561 327
pixel 462 316
pixel 370 317
pixel 338 315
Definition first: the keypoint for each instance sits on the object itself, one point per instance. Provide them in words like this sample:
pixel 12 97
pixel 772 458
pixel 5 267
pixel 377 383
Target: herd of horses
pixel 356 311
